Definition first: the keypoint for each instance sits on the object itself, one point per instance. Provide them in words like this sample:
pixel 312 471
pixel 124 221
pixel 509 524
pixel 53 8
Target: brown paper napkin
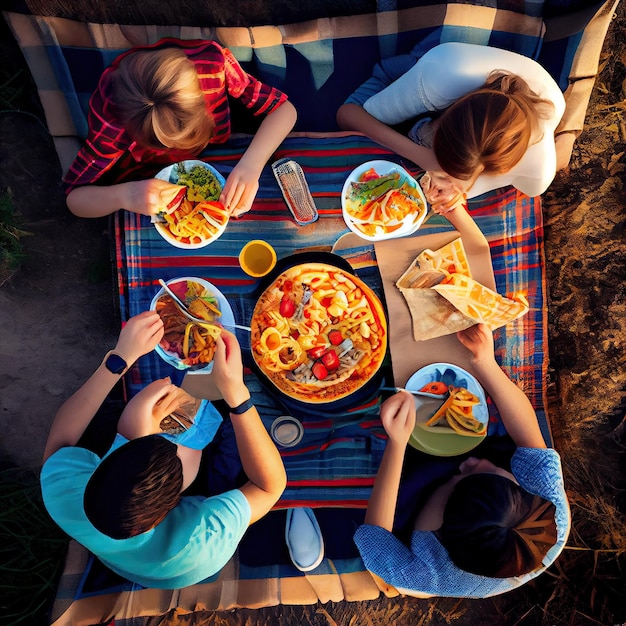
pixel 408 355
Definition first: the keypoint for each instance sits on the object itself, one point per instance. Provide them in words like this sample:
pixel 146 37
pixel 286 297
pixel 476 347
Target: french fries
pixel 192 342
pixel 457 413
pixel 195 222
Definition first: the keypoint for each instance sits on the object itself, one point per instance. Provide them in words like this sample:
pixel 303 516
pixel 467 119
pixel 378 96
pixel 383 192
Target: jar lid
pixel 287 431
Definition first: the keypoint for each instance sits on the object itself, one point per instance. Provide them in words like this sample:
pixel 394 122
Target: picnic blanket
pixel 318 63
pixel 333 468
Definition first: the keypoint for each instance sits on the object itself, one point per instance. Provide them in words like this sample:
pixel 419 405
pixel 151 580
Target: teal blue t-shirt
pixel 194 541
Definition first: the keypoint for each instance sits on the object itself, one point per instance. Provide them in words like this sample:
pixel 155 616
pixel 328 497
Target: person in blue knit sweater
pixel 486 530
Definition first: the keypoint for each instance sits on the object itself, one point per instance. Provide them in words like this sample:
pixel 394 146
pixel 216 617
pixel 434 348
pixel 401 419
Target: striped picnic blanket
pixel 318 63
pixel 510 220
pixel 333 467
pixel 314 62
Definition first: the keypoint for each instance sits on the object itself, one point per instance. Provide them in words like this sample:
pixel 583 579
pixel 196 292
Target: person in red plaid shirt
pixel 164 103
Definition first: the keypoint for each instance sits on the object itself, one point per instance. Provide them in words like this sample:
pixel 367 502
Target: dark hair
pixel 493 527
pixel 134 487
pixel 489 130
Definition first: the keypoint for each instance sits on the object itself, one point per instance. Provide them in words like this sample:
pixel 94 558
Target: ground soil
pixel 58 317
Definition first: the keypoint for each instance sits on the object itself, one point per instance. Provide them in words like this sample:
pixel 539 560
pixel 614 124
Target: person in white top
pixel 494 114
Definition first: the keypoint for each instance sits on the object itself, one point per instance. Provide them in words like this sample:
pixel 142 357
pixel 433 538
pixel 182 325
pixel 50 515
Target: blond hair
pixel 489 130
pixel 157 97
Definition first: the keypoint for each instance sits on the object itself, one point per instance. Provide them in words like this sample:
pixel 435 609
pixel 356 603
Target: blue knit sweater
pixel 426 568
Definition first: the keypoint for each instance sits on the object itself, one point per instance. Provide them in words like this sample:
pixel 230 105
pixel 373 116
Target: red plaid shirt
pixel 109 155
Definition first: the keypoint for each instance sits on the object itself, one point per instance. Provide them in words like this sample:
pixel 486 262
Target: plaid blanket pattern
pixel 317 63
pixel 314 62
pixel 335 464
pixel 511 222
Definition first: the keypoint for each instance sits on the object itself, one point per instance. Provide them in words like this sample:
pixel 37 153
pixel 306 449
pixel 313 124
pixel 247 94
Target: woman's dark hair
pixel 135 487
pixel 493 527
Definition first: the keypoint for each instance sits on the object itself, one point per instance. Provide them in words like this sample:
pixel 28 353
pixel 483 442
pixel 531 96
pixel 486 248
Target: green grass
pixel 32 550
pixel 11 234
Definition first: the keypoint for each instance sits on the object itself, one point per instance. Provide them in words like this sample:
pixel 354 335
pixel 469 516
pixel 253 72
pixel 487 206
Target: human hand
pixel 443 192
pixel 140 335
pixel 478 339
pixel 240 189
pixel 150 196
pixel 144 413
pixel 397 414
pixel 228 369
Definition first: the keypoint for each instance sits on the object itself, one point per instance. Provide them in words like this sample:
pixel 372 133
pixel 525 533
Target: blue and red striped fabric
pixel 336 461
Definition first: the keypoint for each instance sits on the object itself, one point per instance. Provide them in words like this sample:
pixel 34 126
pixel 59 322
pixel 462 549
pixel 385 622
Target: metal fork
pixel 187 313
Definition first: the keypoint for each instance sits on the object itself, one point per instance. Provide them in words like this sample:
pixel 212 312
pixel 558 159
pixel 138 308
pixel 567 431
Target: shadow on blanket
pixel 263 553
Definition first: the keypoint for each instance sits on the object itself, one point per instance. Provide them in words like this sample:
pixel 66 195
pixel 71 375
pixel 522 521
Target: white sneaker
pixel 304 539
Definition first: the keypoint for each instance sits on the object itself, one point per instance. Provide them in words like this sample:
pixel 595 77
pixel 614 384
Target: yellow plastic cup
pixel 257 258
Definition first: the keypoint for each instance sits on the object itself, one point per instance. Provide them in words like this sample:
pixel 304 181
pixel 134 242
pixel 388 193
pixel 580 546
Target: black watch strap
pixel 115 363
pixel 242 408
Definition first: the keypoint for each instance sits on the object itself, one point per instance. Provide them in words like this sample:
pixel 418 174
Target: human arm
pixel 398 417
pixel 105 148
pixel 138 337
pixel 243 182
pixel 146 197
pixel 351 116
pixel 259 457
pixel 517 414
pixel 475 245
pixel 564 144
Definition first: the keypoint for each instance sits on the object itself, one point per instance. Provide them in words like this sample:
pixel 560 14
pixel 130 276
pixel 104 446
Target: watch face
pixel 115 364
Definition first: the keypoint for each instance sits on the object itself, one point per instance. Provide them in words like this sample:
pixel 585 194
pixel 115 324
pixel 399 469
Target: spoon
pixel 426 405
pixel 426 394
pixel 185 311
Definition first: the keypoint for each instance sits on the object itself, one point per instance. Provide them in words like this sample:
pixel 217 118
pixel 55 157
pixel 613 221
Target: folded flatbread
pixel 443 298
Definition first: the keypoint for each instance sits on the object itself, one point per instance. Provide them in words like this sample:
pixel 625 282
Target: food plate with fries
pixel 381 200
pixel 456 424
pixel 318 333
pixel 189 345
pixel 194 218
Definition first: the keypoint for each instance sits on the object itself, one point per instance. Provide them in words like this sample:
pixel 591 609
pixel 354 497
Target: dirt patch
pixel 57 313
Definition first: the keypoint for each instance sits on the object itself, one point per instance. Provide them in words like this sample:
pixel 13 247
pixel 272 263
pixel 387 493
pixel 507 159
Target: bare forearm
pixel 259 457
pixel 564 144
pixel 382 503
pixel 273 129
pixel 354 117
pixel 516 411
pixel 96 201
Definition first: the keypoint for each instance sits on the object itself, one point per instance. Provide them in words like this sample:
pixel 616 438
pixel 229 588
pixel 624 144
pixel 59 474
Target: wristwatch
pixel 242 408
pixel 115 363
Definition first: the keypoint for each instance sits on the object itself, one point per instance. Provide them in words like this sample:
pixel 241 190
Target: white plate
pixel 170 174
pixel 448 442
pixel 227 319
pixel 410 223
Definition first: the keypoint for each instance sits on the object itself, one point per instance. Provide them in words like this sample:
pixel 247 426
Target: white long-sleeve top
pixel 451 70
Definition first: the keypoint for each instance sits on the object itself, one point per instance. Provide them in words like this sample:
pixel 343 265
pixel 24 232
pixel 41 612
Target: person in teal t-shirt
pixel 127 507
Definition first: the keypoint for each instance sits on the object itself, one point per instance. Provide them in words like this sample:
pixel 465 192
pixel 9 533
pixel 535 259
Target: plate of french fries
pixel 194 217
pixel 456 424
pixel 381 200
pixel 190 345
